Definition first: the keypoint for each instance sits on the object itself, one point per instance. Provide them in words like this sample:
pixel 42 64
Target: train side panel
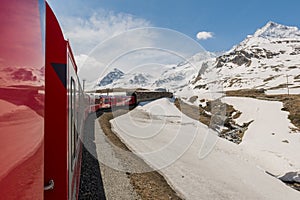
pixel 22 99
pixel 42 112
pixel 56 123
pixel 77 112
pixel 107 102
pixel 66 108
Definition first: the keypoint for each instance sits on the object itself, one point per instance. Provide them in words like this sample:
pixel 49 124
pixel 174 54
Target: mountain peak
pixel 117 70
pixel 115 74
pixel 275 30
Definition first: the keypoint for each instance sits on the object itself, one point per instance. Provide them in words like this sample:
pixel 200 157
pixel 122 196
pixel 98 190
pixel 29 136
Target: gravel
pixel 111 171
pixel 114 167
pixel 99 181
pixel 91 185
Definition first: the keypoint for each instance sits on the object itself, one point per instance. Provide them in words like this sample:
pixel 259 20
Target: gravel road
pixel 111 171
pixel 91 185
pixel 100 181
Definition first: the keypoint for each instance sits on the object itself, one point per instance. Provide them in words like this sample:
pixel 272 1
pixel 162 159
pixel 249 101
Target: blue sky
pixel 229 21
pixel 97 29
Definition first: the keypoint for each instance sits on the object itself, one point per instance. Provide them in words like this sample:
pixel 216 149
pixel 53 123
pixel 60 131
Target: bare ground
pixel 234 133
pixel 223 115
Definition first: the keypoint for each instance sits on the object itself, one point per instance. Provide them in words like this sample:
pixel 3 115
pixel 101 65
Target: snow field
pixel 171 143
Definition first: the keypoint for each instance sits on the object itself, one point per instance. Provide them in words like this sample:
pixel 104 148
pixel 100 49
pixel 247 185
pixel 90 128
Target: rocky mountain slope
pixel 117 78
pixel 269 59
pixel 113 75
pixel 26 75
pixel 173 77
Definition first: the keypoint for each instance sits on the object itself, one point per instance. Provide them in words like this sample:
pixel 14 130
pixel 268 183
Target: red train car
pixel 42 105
pixel 107 102
pixel 116 101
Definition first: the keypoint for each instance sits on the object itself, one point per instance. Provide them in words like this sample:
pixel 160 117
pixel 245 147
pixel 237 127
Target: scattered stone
pixel 217 116
pixel 202 100
pixel 291 177
pixel 91 184
pixel 193 99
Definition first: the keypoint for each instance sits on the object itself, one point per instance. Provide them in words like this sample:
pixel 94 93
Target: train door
pixel 72 129
pixel 71 133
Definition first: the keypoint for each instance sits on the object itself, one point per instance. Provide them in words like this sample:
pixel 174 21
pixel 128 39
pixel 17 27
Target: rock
pixel 290 177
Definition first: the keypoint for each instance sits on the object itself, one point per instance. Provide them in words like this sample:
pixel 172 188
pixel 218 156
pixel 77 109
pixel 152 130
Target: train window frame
pixel 74 89
pixel 78 113
pixel 73 122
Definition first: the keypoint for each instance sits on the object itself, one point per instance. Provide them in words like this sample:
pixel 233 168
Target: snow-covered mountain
pixel 134 80
pixel 172 76
pixel 24 75
pixel 275 30
pixel 117 78
pixel 268 59
pixel 115 74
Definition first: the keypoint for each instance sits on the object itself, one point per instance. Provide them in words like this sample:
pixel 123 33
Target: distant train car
pixel 105 102
pixel 42 105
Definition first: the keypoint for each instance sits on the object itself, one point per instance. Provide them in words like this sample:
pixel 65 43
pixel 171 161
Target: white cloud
pixel 88 67
pixel 134 49
pixel 103 40
pixel 204 35
pixel 86 33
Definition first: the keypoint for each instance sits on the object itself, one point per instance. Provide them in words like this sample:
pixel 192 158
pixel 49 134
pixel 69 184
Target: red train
pixel 42 105
pixel 106 101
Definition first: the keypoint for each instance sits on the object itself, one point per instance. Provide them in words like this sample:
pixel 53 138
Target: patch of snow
pixel 269 137
pixel 170 142
pixel 275 30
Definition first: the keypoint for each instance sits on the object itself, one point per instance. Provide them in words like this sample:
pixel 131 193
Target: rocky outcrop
pixel 111 77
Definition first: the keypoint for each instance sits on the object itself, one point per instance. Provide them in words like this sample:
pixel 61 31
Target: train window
pixel 78 111
pixel 73 123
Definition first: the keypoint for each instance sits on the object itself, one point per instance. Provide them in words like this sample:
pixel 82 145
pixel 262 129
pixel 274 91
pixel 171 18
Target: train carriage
pixel 65 112
pixel 42 105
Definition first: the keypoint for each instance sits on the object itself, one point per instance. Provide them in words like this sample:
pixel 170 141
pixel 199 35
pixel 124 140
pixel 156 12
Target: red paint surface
pixel 20 34
pixel 56 167
pixel 21 159
pixel 34 104
pixel 21 100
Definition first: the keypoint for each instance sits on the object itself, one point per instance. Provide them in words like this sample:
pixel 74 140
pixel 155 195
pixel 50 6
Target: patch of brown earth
pixel 223 116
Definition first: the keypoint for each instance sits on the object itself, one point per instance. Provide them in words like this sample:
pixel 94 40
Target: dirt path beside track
pixel 119 168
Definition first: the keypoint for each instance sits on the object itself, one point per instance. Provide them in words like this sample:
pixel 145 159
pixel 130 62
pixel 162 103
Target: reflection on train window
pixel 78 110
pixel 73 117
